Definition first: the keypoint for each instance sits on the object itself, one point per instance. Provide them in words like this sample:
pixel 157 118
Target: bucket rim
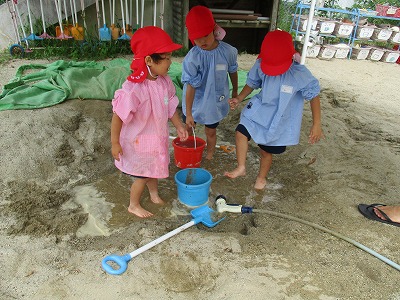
pixel 193 185
pixel 198 139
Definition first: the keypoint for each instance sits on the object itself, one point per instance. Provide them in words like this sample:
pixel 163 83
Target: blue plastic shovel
pixel 200 215
pixel 105 32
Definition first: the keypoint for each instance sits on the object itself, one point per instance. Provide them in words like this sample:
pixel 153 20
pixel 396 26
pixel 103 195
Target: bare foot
pixel 239 171
pixel 139 211
pixel 156 199
pixel 393 212
pixel 209 155
pixel 260 183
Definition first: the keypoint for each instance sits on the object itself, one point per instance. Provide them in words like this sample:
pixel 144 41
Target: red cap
pixel 277 52
pixel 199 22
pixel 146 41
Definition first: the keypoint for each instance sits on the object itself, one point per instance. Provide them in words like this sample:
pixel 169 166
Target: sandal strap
pixel 385 215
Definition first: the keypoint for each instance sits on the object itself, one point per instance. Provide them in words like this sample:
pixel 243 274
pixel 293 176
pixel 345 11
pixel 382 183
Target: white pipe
pixel 20 21
pixel 83 13
pixel 113 13
pixel 42 13
pixel 142 17
pixel 72 12
pixel 66 12
pixel 98 14
pixel 130 12
pixel 29 15
pixel 75 13
pixel 14 19
pixel 58 4
pixel 308 30
pixel 122 260
pixel 137 12
pixel 162 14
pixel 155 13
pixel 104 12
pixel 161 239
pixel 123 18
pixel 126 12
pixel 15 6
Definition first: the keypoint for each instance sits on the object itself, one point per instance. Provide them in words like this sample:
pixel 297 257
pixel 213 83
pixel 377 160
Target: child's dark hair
pixel 156 57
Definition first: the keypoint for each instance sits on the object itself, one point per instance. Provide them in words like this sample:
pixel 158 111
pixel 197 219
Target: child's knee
pixel 211 132
pixel 265 154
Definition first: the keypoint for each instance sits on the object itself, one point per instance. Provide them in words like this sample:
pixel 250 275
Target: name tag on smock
pixel 287 89
pixel 220 67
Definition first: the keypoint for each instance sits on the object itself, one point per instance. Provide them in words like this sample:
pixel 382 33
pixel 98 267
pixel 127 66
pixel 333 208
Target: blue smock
pixel 207 72
pixel 273 116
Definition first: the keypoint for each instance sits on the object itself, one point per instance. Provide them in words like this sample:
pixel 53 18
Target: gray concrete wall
pixel 7 31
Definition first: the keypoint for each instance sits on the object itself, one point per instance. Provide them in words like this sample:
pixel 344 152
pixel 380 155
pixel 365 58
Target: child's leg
pixel 152 185
pixel 242 145
pixel 265 165
pixel 211 134
pixel 137 189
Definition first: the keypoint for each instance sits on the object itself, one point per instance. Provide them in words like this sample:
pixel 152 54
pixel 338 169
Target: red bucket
pixel 186 155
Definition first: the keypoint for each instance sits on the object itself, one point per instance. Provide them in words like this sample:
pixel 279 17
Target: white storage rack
pixel 354 15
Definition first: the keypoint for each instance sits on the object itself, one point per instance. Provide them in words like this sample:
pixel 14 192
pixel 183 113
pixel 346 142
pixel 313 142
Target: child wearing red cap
pixel 141 109
pixel 272 118
pixel 205 72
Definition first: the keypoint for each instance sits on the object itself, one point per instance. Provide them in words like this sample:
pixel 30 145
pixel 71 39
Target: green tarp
pixel 38 86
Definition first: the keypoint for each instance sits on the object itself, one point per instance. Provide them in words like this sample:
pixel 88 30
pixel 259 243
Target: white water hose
pixel 220 202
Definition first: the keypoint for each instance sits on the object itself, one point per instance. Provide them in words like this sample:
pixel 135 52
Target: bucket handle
pixel 225 148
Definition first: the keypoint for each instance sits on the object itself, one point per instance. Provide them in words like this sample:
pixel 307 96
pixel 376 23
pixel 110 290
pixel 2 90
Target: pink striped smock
pixel 144 109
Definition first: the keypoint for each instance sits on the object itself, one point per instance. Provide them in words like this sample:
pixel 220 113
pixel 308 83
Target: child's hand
pixel 315 134
pixel 233 103
pixel 116 151
pixel 189 122
pixel 182 133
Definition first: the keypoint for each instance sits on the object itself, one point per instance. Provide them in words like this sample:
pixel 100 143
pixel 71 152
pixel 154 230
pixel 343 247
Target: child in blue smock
pixel 205 75
pixel 272 118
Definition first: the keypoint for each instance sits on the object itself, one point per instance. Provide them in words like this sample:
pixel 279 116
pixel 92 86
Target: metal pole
pixel 308 30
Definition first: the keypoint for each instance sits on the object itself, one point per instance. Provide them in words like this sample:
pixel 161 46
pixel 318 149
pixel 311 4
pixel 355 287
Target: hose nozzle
pixel 220 202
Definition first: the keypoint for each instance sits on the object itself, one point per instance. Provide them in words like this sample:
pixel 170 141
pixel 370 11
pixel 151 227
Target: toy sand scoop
pixel 201 214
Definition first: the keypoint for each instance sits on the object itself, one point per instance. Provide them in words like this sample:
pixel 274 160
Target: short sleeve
pixel 309 85
pixel 190 73
pixel 125 102
pixel 173 100
pixel 232 60
pixel 253 77
pixel 311 90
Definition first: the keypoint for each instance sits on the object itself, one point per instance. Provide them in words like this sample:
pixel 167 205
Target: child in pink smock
pixel 141 109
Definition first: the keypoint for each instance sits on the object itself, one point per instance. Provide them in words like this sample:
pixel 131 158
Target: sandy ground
pixel 63 205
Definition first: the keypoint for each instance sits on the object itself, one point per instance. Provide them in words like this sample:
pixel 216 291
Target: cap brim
pixel 272 70
pixel 168 48
pixel 200 33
